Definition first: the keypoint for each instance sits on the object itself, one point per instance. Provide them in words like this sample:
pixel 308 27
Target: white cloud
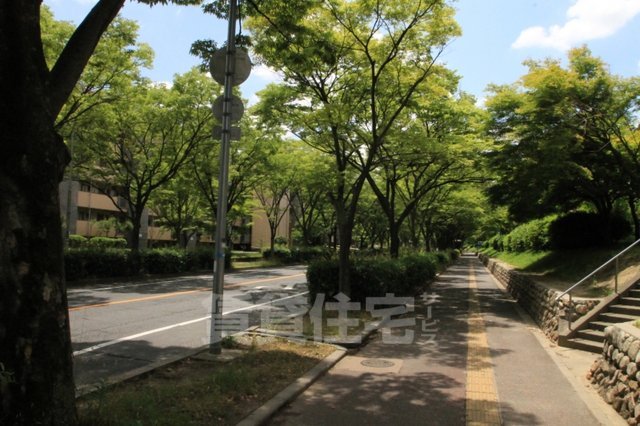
pixel 586 20
pixel 265 73
pixel 253 99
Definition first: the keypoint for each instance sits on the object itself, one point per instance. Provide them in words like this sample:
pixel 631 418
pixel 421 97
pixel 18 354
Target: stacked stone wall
pixel 537 300
pixel 616 374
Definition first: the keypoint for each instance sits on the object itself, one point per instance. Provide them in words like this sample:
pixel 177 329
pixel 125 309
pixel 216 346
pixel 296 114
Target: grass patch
pixel 245 256
pixel 250 264
pixel 201 392
pixel 562 268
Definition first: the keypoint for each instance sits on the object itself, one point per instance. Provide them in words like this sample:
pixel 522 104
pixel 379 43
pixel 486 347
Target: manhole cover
pixel 377 363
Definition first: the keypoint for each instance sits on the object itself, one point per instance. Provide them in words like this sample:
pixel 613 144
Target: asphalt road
pixel 121 327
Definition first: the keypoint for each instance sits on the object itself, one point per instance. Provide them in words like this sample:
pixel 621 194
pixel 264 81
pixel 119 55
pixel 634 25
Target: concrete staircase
pixel 588 332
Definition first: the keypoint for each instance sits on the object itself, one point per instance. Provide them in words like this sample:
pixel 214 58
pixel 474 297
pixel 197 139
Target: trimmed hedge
pixel 107 242
pixel 113 262
pixel 82 263
pixel 79 241
pixel 297 254
pixel 375 277
pixel 533 235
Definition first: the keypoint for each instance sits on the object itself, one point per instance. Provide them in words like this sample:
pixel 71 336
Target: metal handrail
pixel 598 270
pixel 614 258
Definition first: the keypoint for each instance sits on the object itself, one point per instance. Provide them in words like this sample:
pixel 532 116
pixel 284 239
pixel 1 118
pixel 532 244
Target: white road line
pixel 181 324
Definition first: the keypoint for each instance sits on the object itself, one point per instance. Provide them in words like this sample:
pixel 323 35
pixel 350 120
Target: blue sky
pixel 498 35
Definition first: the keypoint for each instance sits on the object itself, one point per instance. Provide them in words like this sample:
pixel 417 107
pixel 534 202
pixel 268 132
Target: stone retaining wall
pixel 538 300
pixel 616 375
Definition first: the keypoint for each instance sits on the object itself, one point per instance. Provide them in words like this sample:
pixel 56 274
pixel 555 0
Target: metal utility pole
pixel 215 342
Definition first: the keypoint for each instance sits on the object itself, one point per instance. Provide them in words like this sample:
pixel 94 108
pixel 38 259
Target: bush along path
pixel 102 257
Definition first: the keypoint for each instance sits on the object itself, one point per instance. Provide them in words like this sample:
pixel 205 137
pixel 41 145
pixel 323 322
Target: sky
pixel 497 36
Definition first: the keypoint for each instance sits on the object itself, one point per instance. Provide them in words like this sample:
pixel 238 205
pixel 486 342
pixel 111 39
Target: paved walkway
pixel 475 360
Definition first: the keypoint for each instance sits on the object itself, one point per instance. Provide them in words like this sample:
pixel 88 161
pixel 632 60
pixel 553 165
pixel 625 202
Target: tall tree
pixel 141 142
pixel 351 68
pixel 273 188
pixel 245 157
pixel 181 208
pixel 308 193
pixel 556 137
pixel 436 147
pixel 35 347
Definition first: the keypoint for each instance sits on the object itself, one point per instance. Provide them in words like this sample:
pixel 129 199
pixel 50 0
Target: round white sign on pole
pixel 242 66
pixel 237 108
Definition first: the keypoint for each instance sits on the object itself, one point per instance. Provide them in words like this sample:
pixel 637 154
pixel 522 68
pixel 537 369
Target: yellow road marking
pixel 481 393
pixel 180 293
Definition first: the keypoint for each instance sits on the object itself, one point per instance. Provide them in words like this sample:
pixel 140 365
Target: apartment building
pixel 88 212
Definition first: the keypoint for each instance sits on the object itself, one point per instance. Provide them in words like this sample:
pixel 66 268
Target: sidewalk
pixel 481 363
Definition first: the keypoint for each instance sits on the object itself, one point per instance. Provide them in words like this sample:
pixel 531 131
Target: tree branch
pixel 75 56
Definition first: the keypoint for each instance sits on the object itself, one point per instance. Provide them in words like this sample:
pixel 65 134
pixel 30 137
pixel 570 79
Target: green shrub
pixel 77 240
pixel 279 252
pixel 164 260
pixel 307 254
pixel 533 235
pixel 107 242
pixel 495 242
pixel 368 252
pixel 93 262
pixel 374 277
pixel 442 258
pixel 584 229
pixel 280 240
pixel 419 269
pixel 201 258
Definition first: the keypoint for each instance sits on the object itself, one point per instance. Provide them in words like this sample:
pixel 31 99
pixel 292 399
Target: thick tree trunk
pixel 394 240
pixel 36 376
pixel 344 227
pixel 134 234
pixel 272 242
pixel 344 281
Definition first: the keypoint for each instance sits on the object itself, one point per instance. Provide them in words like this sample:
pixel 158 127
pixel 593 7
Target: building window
pixel 83 214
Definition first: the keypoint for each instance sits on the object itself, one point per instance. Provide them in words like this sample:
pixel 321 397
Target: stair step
pixel 591 334
pixel 599 325
pixel 634 292
pixel 585 345
pixel 635 301
pixel 616 318
pixel 625 309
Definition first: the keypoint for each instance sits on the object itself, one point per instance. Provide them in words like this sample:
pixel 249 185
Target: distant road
pixel 120 327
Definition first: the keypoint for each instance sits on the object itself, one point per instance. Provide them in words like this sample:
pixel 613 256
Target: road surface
pixel 125 326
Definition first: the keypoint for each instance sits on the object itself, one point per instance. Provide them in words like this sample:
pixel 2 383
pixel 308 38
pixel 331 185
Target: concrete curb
pixel 267 410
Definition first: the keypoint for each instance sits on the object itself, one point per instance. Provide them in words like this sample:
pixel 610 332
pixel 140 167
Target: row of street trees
pixel 363 87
